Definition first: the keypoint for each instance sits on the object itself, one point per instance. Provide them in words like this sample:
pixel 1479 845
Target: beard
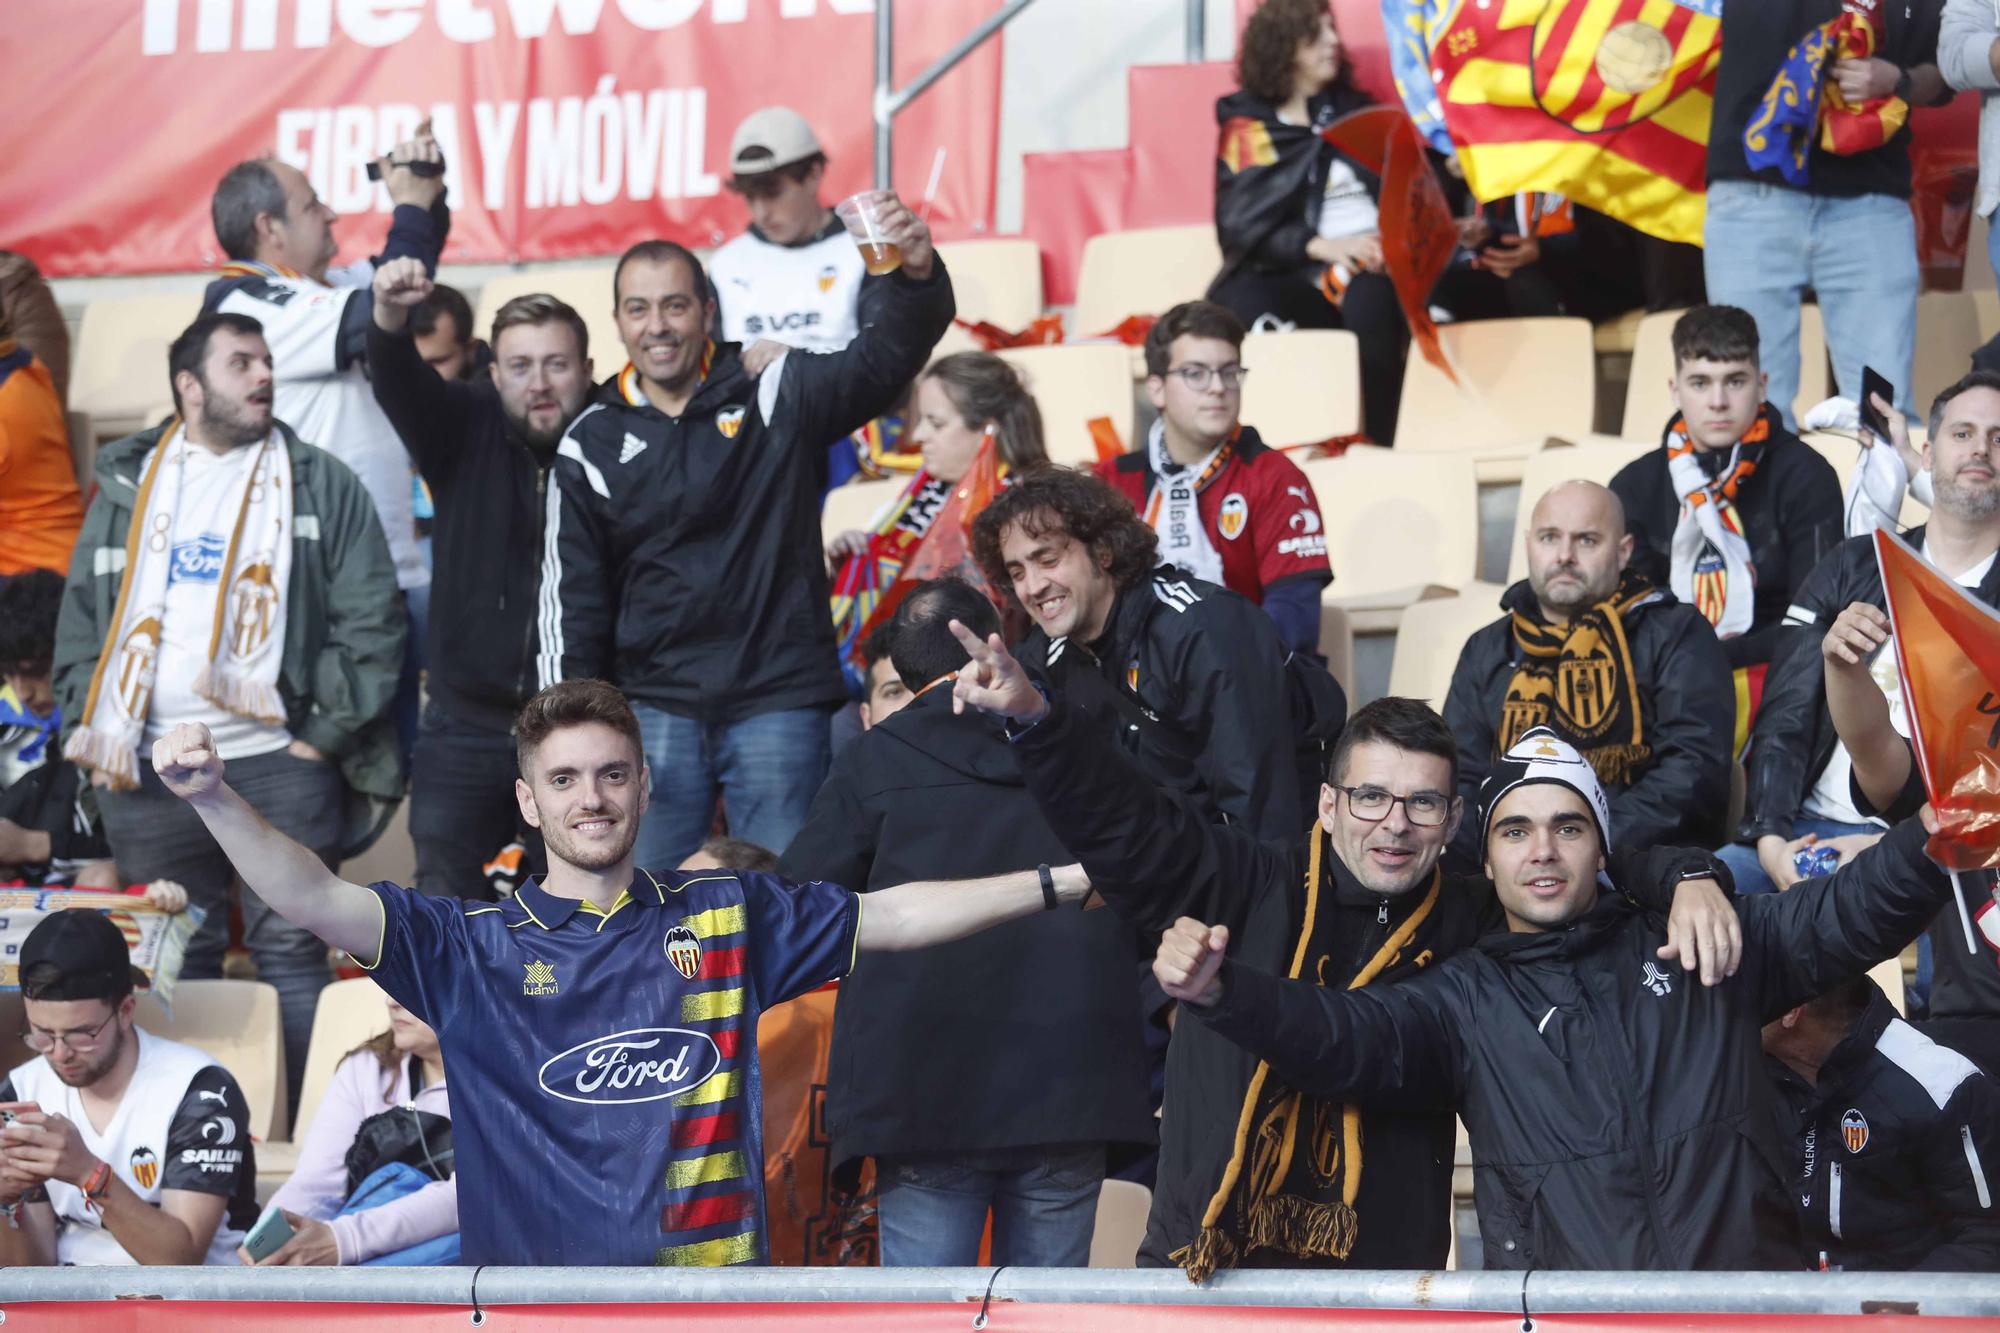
pixel 1973 502
pixel 591 855
pixel 234 422
pixel 99 1062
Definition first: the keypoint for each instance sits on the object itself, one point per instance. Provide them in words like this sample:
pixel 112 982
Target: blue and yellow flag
pixel 1803 106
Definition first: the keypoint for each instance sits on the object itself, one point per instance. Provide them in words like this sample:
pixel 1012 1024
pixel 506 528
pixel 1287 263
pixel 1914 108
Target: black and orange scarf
pixel 1577 678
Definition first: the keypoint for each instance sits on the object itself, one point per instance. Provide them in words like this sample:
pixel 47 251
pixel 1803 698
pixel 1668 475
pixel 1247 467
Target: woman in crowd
pixel 383 1126
pixel 961 401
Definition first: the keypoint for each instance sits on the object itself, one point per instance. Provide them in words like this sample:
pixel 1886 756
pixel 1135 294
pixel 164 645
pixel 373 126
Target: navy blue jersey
pixel 606 1103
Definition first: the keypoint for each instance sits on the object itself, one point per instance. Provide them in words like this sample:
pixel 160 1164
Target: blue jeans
pixel 1749 871
pixel 1767 244
pixel 462 806
pixel 409 685
pixel 765 767
pixel 1043 1199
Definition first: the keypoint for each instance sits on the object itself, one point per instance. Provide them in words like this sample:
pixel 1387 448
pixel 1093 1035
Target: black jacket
pixel 1620 1113
pixel 490 489
pixel 1025 1034
pixel 684 564
pixel 1791 514
pixel 1204 698
pixel 1155 857
pixel 1685 696
pixel 1892 1151
pixel 1270 178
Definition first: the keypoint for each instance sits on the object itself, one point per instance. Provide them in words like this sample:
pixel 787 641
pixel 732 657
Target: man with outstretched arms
pixel 600 1026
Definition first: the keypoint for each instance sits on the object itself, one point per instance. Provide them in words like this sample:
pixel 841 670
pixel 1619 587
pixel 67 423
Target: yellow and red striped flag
pixel 1605 101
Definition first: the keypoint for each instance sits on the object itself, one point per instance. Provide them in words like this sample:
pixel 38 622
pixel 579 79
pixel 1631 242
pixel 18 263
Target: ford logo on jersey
pixel 198 561
pixel 642 1065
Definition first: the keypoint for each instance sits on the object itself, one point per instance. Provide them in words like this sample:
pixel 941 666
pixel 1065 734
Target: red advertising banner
pixel 571 127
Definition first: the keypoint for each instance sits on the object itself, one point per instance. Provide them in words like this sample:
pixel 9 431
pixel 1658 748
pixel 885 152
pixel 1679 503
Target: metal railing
pixel 1822 1294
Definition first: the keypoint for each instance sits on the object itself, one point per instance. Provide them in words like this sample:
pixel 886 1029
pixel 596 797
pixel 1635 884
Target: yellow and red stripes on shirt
pixel 628 378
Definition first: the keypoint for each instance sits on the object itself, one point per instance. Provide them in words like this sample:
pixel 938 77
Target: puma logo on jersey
pixel 631 449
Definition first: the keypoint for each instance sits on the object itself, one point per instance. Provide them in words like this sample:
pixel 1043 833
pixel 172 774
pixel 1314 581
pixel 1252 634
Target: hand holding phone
pixel 273 1229
pixel 1875 384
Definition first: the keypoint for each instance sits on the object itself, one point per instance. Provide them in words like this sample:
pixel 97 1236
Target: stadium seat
pixel 350 1012
pixel 587 289
pixel 1431 636
pixel 1520 381
pixel 1947 335
pixel 851 507
pixel 118 371
pixel 1397 524
pixel 1121 1224
pixel 998 281
pixel 1143 272
pixel 1073 383
pixel 1583 462
pixel 1303 387
pixel 1336 645
pixel 237 1023
pixel 1649 402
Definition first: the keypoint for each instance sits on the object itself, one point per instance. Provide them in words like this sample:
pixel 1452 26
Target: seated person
pixel 123 1147
pixel 399 1075
pixel 50 834
pixel 1732 511
pixel 1228 509
pixel 1615 665
pixel 41 508
pixel 1904 1129
pixel 441 326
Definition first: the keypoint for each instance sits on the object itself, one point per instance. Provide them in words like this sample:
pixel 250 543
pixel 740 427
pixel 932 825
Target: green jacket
pixel 345 624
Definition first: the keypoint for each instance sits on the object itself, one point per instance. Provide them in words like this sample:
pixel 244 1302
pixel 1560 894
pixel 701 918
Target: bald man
pixel 1634 678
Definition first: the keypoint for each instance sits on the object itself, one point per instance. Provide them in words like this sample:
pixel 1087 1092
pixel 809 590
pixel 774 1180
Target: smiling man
pixel 1620 1118
pixel 601 1025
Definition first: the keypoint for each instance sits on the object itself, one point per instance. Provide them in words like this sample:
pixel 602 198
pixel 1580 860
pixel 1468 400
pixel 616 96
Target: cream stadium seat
pixel 350 1012
pixel 1649 402
pixel 1948 332
pixel 1336 645
pixel 1303 386
pixel 1143 272
pixel 1520 382
pixel 237 1023
pixel 1121 1224
pixel 587 290
pixel 998 281
pixel 1073 383
pixel 1431 636
pixel 1583 462
pixel 1397 525
pixel 854 505
pixel 118 372
pixel 1978 265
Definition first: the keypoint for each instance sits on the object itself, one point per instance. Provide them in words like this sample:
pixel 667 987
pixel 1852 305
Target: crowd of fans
pixel 617 631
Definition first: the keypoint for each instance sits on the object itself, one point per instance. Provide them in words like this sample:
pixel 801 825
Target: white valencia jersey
pixel 805 296
pixel 182 1125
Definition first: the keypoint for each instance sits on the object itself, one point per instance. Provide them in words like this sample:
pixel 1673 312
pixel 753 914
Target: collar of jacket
pixel 1132 609
pixel 1582 936
pixel 725 378
pixel 1853 1051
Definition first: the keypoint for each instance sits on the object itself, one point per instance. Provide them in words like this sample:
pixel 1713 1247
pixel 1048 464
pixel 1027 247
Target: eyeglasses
pixel 80 1041
pixel 1425 809
pixel 1198 377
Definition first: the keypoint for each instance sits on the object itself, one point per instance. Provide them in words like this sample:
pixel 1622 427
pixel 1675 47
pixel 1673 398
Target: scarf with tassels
pixel 1294 1168
pixel 246 641
pixel 1577 678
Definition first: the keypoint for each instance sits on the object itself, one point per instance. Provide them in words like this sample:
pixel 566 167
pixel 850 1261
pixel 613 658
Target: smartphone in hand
pixel 273 1229
pixel 1873 382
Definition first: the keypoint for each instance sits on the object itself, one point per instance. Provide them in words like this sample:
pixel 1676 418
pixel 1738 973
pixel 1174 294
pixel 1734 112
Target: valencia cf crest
pixel 145 1168
pixel 1234 515
pixel 684 951
pixel 827 277
pixel 729 422
pixel 1854 1129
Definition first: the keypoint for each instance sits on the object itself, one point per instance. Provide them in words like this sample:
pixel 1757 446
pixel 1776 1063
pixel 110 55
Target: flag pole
pixel 1964 918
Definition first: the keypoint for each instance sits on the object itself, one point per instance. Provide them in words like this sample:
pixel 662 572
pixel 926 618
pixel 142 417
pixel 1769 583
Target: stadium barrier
pixel 218 1300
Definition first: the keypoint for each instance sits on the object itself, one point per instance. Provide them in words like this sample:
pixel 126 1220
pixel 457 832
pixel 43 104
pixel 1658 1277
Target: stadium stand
pixel 1303 387
pixel 1397 525
pixel 848 508
pixel 1074 383
pixel 1520 382
pixel 997 281
pixel 1649 402
pixel 119 370
pixel 1430 635
pixel 1142 272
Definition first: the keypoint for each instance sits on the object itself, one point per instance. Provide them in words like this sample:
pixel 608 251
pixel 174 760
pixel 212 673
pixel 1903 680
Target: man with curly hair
pixel 1203 693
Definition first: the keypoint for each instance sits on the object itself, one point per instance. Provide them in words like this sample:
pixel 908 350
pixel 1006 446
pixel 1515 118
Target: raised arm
pixel 427 412
pixel 922 913
pixel 293 881
pixel 1860 710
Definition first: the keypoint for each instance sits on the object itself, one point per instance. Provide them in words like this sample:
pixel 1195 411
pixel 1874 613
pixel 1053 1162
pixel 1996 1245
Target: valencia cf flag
pixel 1604 101
pixel 1804 106
pixel 1948 658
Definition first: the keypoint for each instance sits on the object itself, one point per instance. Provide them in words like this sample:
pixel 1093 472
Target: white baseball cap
pixel 769 138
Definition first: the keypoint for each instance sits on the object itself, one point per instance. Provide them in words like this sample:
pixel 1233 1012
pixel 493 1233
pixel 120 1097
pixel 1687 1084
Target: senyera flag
pixel 1948 656
pixel 1605 101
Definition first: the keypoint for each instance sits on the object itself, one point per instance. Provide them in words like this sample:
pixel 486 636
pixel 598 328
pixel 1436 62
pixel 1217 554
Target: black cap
pixel 88 954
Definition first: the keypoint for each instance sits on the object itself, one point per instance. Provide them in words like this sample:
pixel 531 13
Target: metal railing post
pixel 890 101
pixel 1197 31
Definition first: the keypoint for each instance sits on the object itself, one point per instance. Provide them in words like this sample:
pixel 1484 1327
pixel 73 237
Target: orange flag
pixel 1948 656
pixel 947 547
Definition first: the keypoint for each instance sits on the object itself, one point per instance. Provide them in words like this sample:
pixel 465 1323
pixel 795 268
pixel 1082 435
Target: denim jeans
pixel 156 835
pixel 1043 1199
pixel 409 684
pixel 1767 244
pixel 766 768
pixel 462 806
pixel 1749 871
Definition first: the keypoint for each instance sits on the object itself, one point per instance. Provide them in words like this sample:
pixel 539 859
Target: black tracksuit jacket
pixel 682 560
pixel 1620 1113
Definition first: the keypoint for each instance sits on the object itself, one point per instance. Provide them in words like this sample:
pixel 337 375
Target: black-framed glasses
pixel 1425 809
pixel 1198 377
pixel 80 1040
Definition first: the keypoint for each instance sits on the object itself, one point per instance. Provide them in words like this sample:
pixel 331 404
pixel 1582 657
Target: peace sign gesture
pixel 993 682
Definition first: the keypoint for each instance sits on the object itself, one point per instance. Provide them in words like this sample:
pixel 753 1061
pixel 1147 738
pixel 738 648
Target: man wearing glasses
pixel 1253 1173
pixel 1228 509
pixel 116 1146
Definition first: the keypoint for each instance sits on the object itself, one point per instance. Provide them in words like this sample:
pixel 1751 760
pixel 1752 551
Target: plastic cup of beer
pixel 862 216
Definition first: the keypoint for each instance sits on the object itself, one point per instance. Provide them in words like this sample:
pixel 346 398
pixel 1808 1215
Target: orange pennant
pixel 1948 656
pixel 946 548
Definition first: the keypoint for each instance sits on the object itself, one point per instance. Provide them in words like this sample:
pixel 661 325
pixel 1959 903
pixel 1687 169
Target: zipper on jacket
pixel 1978 1171
pixel 1833 1201
pixel 1382 913
pixel 1642 1124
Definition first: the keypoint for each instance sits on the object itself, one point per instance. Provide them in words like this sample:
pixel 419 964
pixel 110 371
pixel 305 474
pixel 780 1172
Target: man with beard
pixel 600 1025
pixel 1632 677
pixel 120 1147
pixel 232 574
pixel 485 447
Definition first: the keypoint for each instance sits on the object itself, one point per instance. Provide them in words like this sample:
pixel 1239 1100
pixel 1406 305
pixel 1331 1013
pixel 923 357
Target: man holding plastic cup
pixel 682 551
